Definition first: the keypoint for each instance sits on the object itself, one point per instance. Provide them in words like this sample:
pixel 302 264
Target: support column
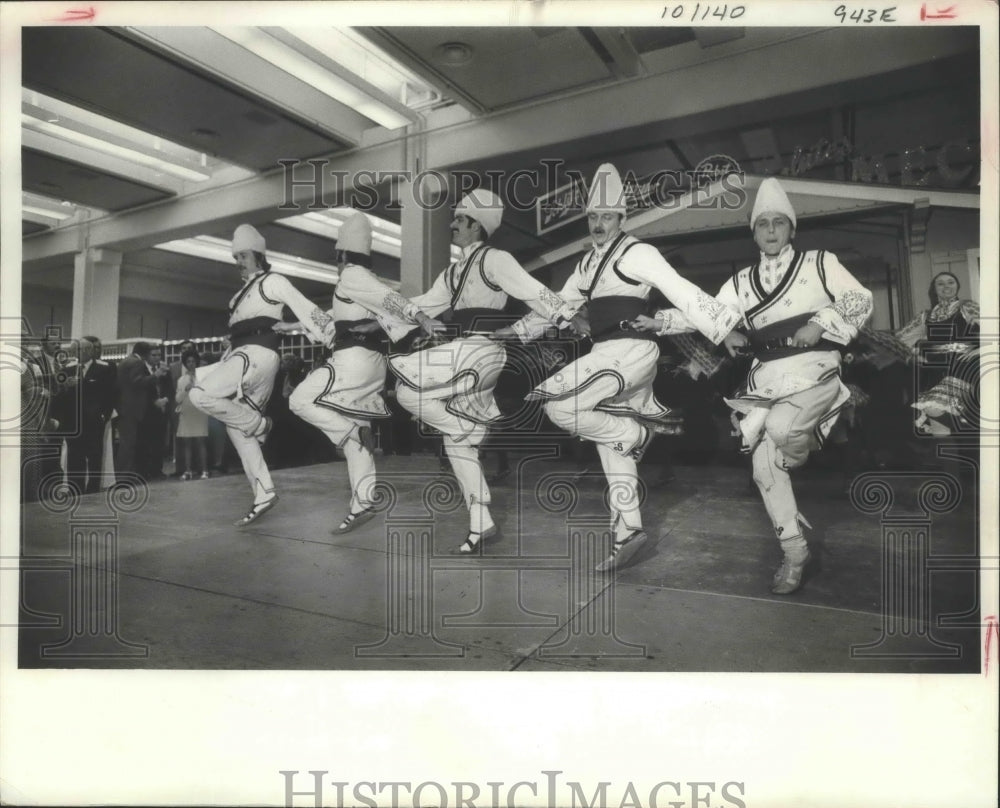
pixel 96 287
pixel 426 236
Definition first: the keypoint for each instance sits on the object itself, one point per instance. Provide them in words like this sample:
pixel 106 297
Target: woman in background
pixel 192 423
pixel 945 339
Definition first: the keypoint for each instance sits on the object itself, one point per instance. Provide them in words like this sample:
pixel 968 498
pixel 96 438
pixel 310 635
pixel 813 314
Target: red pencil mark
pixel 992 630
pixel 939 14
pixel 78 15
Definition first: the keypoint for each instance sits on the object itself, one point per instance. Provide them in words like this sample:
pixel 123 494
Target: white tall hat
pixel 246 237
pixel 356 235
pixel 607 194
pixel 771 198
pixel 483 206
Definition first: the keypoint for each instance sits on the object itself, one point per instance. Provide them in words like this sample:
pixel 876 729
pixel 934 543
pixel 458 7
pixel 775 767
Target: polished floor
pixel 168 583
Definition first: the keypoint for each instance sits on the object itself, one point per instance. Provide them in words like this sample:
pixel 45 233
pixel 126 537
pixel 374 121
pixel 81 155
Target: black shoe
pixel 473 544
pixel 623 551
pixel 257 510
pixel 353 520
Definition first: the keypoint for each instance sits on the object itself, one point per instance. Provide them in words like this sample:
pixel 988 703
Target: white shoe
pixel 788 578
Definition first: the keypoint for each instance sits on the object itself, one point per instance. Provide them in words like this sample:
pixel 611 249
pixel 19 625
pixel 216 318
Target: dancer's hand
pixel 429 325
pixel 735 341
pixel 286 328
pixel 807 336
pixel 644 323
pixel 579 325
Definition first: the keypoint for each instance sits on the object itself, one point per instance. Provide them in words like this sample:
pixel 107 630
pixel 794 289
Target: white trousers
pixel 790 433
pixel 235 391
pixel 462 438
pixel 599 397
pixel 310 401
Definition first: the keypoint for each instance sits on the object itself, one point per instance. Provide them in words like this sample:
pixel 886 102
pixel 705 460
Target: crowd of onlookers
pixel 92 421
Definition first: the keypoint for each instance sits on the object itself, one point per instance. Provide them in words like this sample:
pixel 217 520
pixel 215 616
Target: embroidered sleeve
pixel 713 319
pixel 563 305
pixel 852 303
pixel 436 299
pixel 914 331
pixel 673 321
pixel 316 322
pixel 510 276
pixel 364 286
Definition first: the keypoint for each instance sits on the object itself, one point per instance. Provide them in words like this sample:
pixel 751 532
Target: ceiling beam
pixel 692 99
pixel 696 98
pixel 219 56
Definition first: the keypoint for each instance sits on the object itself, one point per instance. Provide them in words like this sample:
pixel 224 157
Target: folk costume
pixel 607 396
pixel 450 386
pixel 945 341
pixel 793 393
pixel 236 389
pixel 342 396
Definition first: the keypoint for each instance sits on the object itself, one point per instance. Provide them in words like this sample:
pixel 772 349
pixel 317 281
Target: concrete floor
pixel 171 584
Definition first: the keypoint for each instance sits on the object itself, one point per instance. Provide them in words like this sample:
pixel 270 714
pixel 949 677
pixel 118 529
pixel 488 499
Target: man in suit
pixel 98 347
pixel 40 391
pixel 176 369
pixel 95 388
pixel 156 423
pixel 136 391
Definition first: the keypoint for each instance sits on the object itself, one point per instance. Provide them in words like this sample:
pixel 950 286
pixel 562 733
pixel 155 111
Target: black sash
pixel 374 341
pixel 607 314
pixel 255 331
pixel 774 341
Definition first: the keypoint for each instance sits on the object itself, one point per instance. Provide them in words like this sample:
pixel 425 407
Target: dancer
pixel 949 332
pixel 450 387
pixel 236 389
pixel 607 396
pixel 799 308
pixel 344 394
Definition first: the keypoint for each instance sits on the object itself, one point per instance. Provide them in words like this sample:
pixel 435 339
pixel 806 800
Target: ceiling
pixel 201 110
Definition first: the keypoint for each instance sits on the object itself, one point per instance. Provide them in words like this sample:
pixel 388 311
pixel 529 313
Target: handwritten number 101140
pixel 703 11
pixel 864 15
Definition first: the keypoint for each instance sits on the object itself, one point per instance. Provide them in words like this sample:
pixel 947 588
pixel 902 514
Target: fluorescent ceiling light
pixel 38 205
pixel 217 249
pixel 50 213
pixel 296 64
pixel 105 147
pixel 386 235
pixel 352 51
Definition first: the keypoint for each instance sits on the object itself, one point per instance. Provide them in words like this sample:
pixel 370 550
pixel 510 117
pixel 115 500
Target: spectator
pixel 137 389
pixel 157 416
pixel 192 423
pixel 94 383
pixel 176 371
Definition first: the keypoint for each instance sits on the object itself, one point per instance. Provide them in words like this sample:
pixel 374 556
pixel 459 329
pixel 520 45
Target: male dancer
pixel 799 308
pixel 342 396
pixel 236 389
pixel 450 387
pixel 607 396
